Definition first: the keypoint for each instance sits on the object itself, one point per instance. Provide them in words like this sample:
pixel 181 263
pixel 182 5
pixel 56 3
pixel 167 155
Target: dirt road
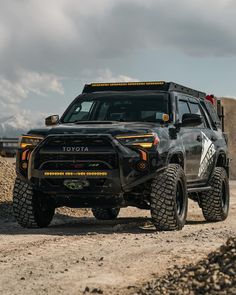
pixel 78 254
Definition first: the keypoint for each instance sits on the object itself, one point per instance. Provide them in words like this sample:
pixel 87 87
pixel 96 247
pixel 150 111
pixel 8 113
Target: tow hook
pixel 76 184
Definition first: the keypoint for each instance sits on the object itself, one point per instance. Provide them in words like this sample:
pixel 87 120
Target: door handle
pixel 199 138
pixel 213 138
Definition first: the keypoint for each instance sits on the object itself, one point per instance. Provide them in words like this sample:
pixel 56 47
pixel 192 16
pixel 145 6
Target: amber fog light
pixel 24 165
pixel 142 166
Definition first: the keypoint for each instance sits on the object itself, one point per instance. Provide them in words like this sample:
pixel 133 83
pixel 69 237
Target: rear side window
pixel 191 105
pixel 194 108
pixel 183 108
pixel 215 120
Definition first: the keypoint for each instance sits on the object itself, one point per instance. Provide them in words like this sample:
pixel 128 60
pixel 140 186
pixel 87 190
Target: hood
pixel 112 128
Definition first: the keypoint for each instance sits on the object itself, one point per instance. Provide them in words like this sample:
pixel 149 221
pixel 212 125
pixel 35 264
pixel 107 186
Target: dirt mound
pixel 7 178
pixel 214 275
pixel 230 123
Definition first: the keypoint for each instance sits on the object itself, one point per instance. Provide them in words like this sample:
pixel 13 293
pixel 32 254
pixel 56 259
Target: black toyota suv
pixel 151 145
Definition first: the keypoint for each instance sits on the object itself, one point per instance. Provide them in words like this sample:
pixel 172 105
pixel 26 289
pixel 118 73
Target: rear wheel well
pixel 221 160
pixel 177 159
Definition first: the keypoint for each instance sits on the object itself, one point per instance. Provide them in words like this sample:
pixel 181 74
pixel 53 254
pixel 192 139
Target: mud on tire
pixel 30 209
pixel 168 199
pixel 215 202
pixel 105 213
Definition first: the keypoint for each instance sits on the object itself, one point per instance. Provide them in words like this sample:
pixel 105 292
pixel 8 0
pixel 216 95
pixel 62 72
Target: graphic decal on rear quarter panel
pixel 208 151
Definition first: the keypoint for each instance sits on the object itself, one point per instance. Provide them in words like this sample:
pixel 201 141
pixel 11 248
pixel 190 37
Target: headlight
pixel 143 140
pixel 29 141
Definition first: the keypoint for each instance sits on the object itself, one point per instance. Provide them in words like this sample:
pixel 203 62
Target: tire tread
pixel 163 198
pixel 210 201
pixel 24 206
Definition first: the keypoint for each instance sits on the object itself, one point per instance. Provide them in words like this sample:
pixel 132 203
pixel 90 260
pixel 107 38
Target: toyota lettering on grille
pixel 70 149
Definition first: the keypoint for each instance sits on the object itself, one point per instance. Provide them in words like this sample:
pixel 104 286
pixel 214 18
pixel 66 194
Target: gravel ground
pixel 214 275
pixel 7 178
pixel 80 255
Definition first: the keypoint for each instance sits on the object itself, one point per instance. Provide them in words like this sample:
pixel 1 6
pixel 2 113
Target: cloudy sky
pixel 50 49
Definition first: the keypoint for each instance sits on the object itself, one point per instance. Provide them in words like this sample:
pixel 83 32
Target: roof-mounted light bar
pixel 142 86
pixel 127 84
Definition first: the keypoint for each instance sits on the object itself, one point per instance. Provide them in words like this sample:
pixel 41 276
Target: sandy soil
pixel 77 255
pixel 11 160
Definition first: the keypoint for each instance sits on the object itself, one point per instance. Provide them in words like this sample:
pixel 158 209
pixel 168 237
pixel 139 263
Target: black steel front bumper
pixel 51 164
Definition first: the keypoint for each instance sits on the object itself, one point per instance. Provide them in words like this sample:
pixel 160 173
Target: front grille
pixel 41 160
pixel 51 156
pixel 91 143
pixel 94 165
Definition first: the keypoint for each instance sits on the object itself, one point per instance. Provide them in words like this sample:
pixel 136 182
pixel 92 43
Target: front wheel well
pixel 177 159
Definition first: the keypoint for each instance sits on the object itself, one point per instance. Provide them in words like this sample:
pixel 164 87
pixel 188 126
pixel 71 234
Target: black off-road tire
pixel 30 209
pixel 168 199
pixel 105 213
pixel 215 202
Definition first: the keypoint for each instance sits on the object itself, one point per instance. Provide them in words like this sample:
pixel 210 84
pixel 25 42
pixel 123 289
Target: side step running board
pixel 198 189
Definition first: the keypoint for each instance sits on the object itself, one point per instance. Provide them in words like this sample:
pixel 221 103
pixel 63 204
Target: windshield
pixel 116 107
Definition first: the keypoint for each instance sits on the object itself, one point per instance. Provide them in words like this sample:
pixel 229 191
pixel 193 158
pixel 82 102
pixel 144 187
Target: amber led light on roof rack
pixel 127 84
pixel 142 86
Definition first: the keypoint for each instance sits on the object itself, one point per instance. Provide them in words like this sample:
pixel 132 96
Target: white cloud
pixel 15 120
pixel 18 121
pixel 46 41
pixel 106 75
pixel 26 83
pixel 40 82
pixel 64 36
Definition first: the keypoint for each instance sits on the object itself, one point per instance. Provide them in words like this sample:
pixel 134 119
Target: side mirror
pixel 52 120
pixel 190 120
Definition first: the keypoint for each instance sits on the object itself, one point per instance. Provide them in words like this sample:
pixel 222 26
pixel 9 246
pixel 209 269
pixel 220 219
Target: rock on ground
pixel 214 275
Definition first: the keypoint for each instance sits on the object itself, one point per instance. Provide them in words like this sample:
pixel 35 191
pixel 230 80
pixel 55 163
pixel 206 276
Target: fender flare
pixel 222 160
pixel 177 157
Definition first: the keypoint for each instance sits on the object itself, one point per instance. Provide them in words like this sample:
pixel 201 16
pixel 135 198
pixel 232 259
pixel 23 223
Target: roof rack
pixel 133 86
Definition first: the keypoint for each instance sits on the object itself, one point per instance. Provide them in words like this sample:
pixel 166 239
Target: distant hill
pixel 14 126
